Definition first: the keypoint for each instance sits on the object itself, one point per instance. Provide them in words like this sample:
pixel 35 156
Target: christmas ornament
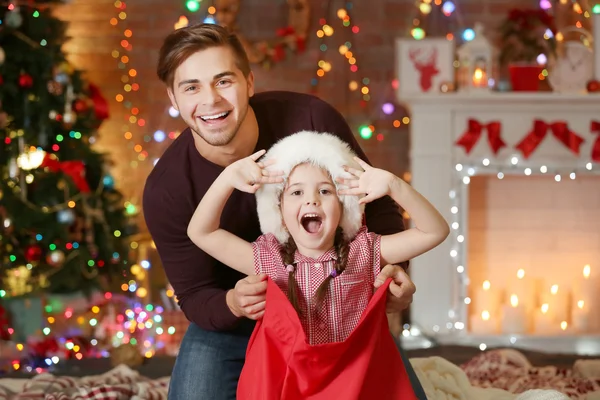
pixel 2 56
pixel 108 181
pixel 33 253
pixel 64 67
pixel 13 168
pixel 3 120
pixel 69 118
pixel 80 106
pixel 61 78
pixel 593 86
pixel 25 80
pixel 446 87
pixel 55 88
pixel 13 18
pixel 55 258
pixel 66 216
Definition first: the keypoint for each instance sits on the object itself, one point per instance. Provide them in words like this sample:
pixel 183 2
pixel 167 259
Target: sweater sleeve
pixel 190 271
pixel 382 215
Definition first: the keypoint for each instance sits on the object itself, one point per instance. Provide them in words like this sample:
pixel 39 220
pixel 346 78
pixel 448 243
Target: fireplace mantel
pixel 461 100
pixel 437 122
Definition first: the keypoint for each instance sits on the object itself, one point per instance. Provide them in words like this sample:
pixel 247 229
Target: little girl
pixel 310 191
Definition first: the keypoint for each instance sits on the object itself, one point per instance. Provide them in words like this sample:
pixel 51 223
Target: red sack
pixel 280 364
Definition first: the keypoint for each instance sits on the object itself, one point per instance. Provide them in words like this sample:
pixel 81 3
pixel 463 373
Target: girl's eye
pixel 296 193
pixel 325 191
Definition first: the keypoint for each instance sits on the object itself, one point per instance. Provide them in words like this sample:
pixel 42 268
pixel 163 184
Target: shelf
pixel 585 345
pixel 490 97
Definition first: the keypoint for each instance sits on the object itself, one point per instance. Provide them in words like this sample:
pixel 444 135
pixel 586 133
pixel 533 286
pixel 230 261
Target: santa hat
pixel 321 149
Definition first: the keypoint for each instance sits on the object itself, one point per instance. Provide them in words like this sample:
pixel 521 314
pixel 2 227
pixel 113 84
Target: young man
pixel 209 81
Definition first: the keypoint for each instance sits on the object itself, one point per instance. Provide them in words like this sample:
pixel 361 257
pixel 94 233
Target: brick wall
pixel 381 21
pixel 549 229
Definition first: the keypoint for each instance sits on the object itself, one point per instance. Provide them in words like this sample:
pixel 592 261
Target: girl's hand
pixel 247 175
pixel 372 182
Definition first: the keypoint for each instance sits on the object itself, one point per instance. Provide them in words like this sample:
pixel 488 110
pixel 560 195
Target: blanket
pixel 443 380
pixel 494 375
pixel 120 383
pixel 510 370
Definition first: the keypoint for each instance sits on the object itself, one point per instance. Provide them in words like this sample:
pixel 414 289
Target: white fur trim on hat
pixel 322 149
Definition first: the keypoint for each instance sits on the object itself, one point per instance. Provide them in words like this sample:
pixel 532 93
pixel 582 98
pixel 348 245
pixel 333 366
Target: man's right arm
pixel 190 271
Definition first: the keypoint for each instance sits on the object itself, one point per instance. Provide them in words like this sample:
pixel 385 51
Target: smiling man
pixel 209 81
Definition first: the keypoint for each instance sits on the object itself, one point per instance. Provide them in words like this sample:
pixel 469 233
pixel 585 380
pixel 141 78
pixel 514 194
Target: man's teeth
pixel 207 117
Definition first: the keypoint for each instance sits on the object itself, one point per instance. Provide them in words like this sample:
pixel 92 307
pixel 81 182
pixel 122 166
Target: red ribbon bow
pixel 559 129
pixel 473 133
pixel 100 103
pixel 74 169
pixel 595 128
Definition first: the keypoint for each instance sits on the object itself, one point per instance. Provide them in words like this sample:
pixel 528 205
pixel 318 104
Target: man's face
pixel 211 94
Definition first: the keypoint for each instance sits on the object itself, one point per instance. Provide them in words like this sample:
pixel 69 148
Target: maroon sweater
pixel 181 178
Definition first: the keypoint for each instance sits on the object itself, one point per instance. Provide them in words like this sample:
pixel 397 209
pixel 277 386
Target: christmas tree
pixel 63 226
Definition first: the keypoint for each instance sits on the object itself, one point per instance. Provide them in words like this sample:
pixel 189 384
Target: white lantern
pixel 475 58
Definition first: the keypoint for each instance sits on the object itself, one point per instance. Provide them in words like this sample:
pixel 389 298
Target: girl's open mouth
pixel 311 223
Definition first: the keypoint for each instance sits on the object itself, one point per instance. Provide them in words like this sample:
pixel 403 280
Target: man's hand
pixel 248 297
pixel 401 289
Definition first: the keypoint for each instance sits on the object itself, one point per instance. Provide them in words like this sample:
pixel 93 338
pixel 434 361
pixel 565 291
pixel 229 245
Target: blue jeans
pixel 209 365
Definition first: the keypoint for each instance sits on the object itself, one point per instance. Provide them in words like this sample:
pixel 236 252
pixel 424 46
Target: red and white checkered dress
pixel 348 294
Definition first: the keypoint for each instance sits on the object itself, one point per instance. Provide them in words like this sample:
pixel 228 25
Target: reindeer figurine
pixel 426 66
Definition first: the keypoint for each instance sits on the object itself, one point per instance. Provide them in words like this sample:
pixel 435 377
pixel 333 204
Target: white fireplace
pixel 522 261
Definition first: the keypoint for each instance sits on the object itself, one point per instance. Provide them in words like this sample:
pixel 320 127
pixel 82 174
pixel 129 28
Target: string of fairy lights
pixel 357 83
pixel 325 31
pixel 134 121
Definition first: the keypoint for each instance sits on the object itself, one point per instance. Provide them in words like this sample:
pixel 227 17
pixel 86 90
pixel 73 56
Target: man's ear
pixel 250 80
pixel 172 98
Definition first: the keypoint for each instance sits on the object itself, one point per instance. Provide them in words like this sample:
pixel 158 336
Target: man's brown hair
pixel 184 42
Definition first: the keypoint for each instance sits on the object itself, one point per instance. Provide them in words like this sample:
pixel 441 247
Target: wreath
pixel 290 39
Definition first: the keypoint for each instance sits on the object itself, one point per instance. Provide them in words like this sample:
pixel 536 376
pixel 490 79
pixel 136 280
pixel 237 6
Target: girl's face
pixel 311 209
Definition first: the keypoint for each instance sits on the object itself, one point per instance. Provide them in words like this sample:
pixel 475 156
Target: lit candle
pixel 564 328
pixel 483 324
pixel 544 325
pixel 587 291
pixel 479 78
pixel 558 302
pixel 514 316
pixel 486 298
pixel 524 288
pixel 580 317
